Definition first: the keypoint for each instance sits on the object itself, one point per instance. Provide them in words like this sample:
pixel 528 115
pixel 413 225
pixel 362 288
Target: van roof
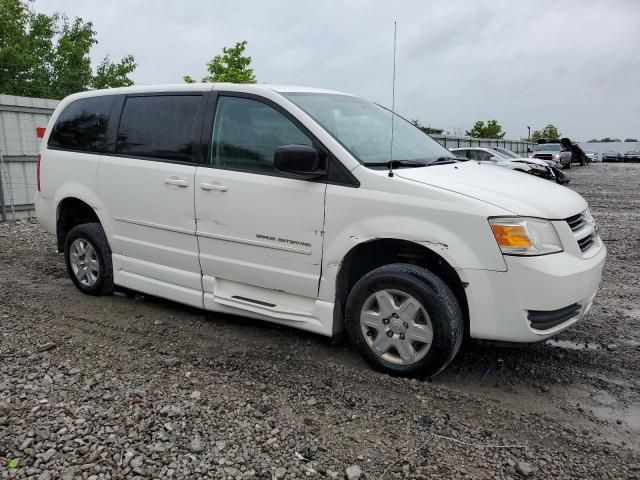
pixel 199 87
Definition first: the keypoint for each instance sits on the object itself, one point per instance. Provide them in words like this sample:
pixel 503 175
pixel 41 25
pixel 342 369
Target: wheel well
pixel 71 213
pixel 373 254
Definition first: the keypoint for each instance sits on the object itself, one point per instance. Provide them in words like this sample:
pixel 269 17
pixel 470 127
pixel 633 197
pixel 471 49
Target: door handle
pixel 213 186
pixel 179 182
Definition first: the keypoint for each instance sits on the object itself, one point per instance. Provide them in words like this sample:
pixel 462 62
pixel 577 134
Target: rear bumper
pixel 535 299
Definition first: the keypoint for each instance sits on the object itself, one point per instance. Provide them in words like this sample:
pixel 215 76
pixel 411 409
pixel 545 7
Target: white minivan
pixel 300 206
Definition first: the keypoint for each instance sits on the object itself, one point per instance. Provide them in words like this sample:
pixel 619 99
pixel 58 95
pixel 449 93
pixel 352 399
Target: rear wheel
pixel 88 258
pixel 404 320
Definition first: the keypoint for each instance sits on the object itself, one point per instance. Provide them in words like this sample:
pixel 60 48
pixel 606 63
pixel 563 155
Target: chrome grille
pixel 576 222
pixel 586 242
pixel 583 228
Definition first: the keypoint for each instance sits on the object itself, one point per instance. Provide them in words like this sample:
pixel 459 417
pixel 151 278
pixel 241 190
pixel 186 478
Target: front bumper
pixel 545 173
pixel 500 303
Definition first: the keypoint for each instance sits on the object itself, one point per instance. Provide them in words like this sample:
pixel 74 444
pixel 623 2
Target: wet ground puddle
pixel 569 345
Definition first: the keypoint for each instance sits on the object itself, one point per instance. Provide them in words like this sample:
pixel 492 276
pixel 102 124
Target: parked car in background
pixel 486 155
pixel 574 152
pixel 632 156
pixel 549 151
pixel 507 159
pixel 611 156
pixel 555 166
pixel 592 156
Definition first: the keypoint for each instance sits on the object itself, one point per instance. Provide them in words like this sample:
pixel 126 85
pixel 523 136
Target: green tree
pixel 428 130
pixel 492 129
pixel 48 55
pixel 110 74
pixel 232 66
pixel 550 132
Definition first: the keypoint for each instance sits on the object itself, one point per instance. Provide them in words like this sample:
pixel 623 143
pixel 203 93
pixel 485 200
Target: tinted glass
pixel 158 127
pixel 82 125
pixel 461 153
pixel 479 155
pixel 246 134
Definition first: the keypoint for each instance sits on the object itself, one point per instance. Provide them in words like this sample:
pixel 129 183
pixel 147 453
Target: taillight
pixel 38 170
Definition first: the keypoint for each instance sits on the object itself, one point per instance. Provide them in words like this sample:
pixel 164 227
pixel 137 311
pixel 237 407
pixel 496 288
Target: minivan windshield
pixel 364 128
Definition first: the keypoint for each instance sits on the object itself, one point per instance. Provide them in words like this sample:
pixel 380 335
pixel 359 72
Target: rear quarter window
pixel 159 127
pixel 82 125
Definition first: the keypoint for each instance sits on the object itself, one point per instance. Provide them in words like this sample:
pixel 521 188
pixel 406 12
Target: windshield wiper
pixel 396 164
pixel 443 161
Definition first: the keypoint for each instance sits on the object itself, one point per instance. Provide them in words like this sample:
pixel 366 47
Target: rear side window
pixel 461 153
pixel 82 125
pixel 159 127
pixel 479 155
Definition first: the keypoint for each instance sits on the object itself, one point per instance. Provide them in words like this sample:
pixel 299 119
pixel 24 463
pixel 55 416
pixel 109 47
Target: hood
pixel 521 194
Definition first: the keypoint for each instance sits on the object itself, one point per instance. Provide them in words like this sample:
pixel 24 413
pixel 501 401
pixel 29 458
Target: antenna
pixel 393 96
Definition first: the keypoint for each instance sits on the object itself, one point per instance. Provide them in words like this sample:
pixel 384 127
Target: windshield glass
pixel 504 153
pixel 364 128
pixel 547 147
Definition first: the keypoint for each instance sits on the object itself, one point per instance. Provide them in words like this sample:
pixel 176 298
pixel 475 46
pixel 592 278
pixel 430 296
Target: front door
pixel 259 231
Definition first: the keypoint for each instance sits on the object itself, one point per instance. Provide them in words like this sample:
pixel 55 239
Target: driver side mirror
pixel 300 161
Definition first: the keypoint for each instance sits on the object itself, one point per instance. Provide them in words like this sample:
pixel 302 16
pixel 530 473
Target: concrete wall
pixel 19 146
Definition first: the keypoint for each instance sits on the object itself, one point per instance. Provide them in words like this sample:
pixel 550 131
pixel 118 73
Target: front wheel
pixel 88 258
pixel 404 320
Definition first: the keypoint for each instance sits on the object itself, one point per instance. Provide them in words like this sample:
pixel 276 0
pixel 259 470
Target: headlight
pixel 525 236
pixel 557 156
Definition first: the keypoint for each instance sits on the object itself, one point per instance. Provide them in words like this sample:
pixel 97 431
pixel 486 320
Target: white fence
pixel 19 145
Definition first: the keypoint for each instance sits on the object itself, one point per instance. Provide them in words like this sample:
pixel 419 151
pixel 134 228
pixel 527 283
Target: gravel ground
pixel 132 386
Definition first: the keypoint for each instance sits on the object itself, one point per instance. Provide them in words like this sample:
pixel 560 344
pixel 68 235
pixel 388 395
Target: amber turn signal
pixel 511 235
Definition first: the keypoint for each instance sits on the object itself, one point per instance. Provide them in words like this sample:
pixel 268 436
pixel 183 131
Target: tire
pixel 438 312
pixel 98 281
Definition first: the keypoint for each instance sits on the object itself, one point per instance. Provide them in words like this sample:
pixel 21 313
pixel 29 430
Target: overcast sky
pixel 574 63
